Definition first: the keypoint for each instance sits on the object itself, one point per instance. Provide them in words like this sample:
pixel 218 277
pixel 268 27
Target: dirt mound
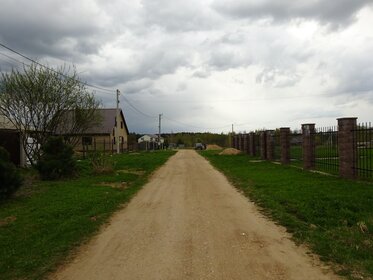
pixel 213 147
pixel 230 151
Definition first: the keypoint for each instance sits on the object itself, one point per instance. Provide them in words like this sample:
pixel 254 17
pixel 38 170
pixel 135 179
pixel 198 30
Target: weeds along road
pixel 188 222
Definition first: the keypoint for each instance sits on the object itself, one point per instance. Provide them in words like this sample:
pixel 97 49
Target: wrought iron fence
pixel 102 146
pixel 276 145
pixel 256 144
pixel 326 149
pixel 296 149
pixel 363 141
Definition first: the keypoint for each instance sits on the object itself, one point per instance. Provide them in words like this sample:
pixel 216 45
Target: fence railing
pixel 363 141
pixel 326 149
pixel 296 154
pixel 345 150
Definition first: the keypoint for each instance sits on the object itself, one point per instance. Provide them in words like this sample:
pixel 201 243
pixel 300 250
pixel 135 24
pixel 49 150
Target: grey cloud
pixel 51 28
pixel 137 85
pixel 177 16
pixel 222 59
pixel 329 12
pixel 201 74
pixel 278 78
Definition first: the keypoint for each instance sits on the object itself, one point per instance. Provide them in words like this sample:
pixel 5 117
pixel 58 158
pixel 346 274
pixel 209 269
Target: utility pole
pixel 117 122
pixel 159 130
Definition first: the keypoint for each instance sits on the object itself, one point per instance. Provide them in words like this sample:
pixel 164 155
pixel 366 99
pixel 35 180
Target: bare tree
pixel 41 101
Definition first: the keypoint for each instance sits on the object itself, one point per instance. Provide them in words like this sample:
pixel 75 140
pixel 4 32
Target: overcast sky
pixel 207 64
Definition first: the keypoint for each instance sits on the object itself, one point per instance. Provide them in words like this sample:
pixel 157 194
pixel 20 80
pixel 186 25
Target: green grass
pixel 332 215
pixel 46 221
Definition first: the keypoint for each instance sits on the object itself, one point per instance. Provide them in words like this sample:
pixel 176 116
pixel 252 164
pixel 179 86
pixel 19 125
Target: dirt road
pixel 188 222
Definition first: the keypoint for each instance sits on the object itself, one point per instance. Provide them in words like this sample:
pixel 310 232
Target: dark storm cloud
pixel 330 12
pixel 50 28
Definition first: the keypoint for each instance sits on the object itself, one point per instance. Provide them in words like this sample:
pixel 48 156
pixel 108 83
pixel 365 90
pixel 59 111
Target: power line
pixel 51 69
pixel 136 109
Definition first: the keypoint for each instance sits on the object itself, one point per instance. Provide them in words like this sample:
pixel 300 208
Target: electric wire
pixel 51 69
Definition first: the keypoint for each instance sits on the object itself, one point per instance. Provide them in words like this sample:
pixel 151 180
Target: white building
pixel 150 141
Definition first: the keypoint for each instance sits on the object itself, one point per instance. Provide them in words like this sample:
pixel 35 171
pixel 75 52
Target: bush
pixel 10 179
pixel 56 160
pixel 101 164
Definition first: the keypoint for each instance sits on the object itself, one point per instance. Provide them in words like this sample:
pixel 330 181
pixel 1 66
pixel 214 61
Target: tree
pixel 41 102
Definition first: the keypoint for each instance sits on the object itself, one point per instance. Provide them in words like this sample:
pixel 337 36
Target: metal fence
pixel 296 149
pixel 326 149
pixel 103 146
pixel 276 145
pixel 363 141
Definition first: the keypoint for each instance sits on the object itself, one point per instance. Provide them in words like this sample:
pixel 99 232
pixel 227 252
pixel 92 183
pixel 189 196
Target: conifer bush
pixel 10 179
pixel 57 160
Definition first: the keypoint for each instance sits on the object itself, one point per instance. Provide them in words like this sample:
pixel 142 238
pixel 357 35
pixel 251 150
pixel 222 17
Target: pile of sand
pixel 230 151
pixel 213 147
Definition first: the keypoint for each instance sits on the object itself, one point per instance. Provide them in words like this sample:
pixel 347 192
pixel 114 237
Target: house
pixel 10 139
pixel 102 136
pixel 150 142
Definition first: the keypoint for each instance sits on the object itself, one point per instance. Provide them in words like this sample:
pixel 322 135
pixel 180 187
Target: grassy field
pixel 333 216
pixel 41 225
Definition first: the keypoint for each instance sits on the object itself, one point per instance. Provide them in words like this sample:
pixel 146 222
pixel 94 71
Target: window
pixel 115 122
pixel 86 140
pixel 121 124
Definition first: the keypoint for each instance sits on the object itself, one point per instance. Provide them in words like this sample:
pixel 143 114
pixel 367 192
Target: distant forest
pixel 190 138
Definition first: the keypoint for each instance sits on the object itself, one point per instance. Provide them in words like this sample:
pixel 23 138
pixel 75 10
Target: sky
pixel 205 65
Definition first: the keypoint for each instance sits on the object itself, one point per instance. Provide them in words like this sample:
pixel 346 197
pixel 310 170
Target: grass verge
pixel 43 223
pixel 333 216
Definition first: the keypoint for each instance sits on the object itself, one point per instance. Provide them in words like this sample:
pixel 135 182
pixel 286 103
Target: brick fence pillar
pixel 308 145
pixel 285 145
pixel 270 144
pixel 347 148
pixel 263 144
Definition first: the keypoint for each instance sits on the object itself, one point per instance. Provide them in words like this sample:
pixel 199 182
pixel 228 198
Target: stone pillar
pixel 346 147
pixel 308 145
pixel 285 145
pixel 263 145
pixel 270 144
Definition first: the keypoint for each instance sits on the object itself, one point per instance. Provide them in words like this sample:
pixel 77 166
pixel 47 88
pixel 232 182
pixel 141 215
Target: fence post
pixel 236 142
pixel 263 145
pixel 232 140
pixel 270 145
pixel 285 145
pixel 308 145
pixel 347 149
